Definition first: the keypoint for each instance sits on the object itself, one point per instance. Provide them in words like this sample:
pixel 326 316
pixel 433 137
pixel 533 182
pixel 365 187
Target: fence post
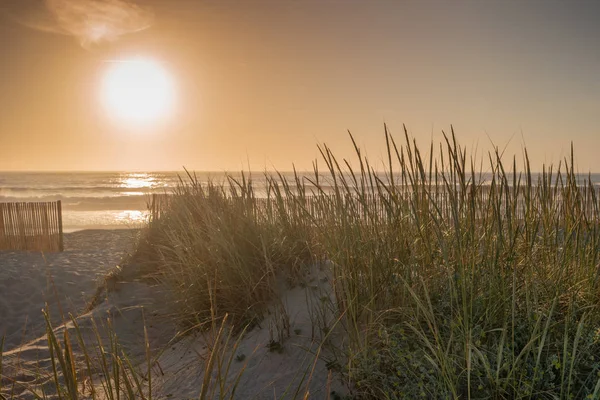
pixel 3 239
pixel 154 207
pixel 61 246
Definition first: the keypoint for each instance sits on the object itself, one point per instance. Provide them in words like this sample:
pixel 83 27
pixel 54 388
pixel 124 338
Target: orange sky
pixel 263 82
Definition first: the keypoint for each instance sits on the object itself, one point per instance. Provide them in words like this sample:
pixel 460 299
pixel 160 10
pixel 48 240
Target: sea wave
pixel 83 203
pixel 98 191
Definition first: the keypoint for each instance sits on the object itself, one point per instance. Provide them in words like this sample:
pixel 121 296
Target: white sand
pixel 65 280
pixel 296 321
pixel 290 372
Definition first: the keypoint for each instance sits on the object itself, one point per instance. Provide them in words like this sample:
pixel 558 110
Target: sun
pixel 138 91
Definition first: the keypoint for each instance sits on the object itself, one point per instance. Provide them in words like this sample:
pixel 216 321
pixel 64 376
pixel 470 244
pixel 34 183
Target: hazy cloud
pixel 91 21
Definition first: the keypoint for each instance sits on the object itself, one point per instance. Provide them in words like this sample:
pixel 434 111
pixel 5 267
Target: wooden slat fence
pixel 31 226
pixel 157 204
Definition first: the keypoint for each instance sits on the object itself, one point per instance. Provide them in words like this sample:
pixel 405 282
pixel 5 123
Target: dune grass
pixel 221 249
pixel 450 285
pixel 490 291
pixel 453 283
pixel 453 278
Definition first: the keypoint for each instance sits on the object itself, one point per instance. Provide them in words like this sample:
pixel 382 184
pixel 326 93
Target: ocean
pixel 90 200
pixel 100 200
pixel 113 200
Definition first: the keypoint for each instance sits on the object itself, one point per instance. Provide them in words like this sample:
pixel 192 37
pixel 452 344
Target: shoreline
pixel 70 230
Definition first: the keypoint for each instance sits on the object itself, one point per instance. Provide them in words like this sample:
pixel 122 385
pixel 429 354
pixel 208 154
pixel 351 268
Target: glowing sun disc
pixel 138 91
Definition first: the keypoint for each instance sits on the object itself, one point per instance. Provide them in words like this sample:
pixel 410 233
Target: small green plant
pixel 275 346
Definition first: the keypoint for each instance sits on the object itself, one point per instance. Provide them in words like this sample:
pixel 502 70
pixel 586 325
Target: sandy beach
pixel 137 311
pixel 65 281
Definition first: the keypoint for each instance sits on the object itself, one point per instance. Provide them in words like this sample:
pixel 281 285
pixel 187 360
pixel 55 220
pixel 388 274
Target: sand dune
pixel 66 281
pixel 289 354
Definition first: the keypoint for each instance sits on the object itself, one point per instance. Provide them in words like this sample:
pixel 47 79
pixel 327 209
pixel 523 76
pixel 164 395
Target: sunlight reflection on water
pixel 104 219
pixel 131 216
pixel 137 181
